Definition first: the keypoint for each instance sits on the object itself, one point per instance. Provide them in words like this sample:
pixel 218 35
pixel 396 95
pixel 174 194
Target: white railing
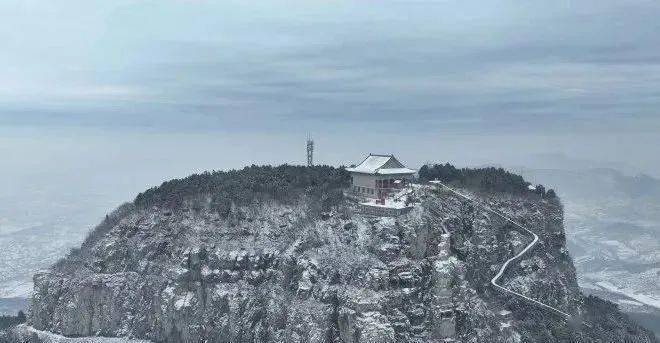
pixel 496 278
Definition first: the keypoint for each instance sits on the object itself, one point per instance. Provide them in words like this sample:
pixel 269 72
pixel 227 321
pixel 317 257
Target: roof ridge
pixel 381 166
pixel 374 163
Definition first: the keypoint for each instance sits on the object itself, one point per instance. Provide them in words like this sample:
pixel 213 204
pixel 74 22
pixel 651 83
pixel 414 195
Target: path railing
pixel 496 278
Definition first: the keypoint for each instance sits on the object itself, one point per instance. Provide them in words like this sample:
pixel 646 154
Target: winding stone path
pixel 496 278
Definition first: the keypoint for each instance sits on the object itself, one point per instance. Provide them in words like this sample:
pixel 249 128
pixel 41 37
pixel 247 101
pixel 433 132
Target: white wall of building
pixel 365 184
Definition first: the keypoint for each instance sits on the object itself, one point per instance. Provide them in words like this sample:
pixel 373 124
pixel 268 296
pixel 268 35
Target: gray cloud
pixel 493 67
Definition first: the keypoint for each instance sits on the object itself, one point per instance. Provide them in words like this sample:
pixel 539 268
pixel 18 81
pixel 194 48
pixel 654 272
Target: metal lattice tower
pixel 310 152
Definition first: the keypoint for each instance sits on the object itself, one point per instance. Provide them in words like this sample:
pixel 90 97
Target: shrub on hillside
pixel 283 183
pixel 488 179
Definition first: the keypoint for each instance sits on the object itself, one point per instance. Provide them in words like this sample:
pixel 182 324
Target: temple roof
pixel 381 164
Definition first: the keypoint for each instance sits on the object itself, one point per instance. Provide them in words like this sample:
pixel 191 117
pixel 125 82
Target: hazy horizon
pixel 469 82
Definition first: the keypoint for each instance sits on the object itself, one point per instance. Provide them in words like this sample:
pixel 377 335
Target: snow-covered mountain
pixel 279 255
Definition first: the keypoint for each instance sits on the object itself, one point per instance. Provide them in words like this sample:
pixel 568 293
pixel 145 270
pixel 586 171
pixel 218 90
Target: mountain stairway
pixel 535 238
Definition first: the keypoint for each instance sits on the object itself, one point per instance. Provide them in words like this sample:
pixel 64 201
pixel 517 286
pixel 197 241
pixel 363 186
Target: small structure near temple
pixel 382 182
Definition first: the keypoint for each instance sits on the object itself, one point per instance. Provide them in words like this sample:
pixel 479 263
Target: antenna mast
pixel 310 151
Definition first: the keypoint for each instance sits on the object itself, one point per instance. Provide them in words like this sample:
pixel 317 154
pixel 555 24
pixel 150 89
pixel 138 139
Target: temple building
pixel 379 175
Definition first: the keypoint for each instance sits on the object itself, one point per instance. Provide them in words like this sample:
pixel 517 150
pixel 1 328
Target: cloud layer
pixel 580 78
pixel 493 66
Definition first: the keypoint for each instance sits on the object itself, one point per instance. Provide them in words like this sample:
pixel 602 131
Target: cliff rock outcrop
pixel 310 268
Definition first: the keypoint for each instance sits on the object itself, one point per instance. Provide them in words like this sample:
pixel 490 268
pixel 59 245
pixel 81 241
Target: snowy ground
pixel 396 200
pixel 631 293
pixel 616 255
pixel 50 337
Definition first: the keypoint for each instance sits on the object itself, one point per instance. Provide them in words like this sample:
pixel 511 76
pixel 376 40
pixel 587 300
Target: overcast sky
pixel 180 86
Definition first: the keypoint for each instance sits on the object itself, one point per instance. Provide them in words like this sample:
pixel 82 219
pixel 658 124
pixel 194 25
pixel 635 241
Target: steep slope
pixel 278 255
pixel 613 226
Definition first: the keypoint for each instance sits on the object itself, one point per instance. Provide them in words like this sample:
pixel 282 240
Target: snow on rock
pixel 270 272
pixel 28 334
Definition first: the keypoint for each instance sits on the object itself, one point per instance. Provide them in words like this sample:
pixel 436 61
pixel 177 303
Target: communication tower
pixel 310 152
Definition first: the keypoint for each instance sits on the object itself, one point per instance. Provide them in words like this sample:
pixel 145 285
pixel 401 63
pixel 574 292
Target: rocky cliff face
pixel 270 271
